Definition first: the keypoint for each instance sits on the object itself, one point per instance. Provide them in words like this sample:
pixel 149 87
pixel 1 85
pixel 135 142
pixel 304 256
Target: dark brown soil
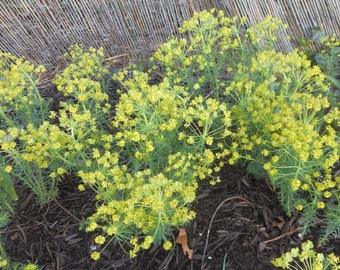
pixel 248 229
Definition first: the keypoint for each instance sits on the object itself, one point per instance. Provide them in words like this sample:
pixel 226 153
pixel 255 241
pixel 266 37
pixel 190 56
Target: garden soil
pixel 239 224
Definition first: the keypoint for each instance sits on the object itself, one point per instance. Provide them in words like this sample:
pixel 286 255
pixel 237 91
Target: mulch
pixel 239 224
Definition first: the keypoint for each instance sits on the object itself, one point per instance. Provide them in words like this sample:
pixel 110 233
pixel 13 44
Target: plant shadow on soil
pixel 248 230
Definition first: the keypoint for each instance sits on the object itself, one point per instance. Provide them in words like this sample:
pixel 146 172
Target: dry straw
pixel 42 30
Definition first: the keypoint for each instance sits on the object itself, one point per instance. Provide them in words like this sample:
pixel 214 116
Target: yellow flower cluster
pixel 163 134
pixel 201 61
pixel 307 258
pixel 42 143
pixel 21 106
pixel 169 135
pixel 224 95
pixel 3 262
pixel 287 127
pixel 30 266
pixel 151 205
pixel 285 122
pixel 264 34
pixel 17 77
pixel 84 79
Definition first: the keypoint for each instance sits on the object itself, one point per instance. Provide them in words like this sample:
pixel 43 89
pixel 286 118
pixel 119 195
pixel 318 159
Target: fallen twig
pixel 68 212
pixel 211 221
pixel 290 232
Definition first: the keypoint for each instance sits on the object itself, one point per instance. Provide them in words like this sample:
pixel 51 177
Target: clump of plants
pixel 329 59
pixel 39 144
pixel 20 105
pixel 224 95
pixel 285 115
pixel 144 162
pixel 287 130
pixel 307 258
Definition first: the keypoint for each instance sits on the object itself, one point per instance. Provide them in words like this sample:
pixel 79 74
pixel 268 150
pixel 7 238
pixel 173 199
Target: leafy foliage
pixel 306 259
pixel 224 95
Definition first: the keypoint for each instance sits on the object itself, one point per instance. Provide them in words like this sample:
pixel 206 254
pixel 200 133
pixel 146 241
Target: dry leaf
pixel 182 239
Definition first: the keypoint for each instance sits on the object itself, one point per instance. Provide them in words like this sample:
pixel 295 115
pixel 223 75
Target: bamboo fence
pixel 42 30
